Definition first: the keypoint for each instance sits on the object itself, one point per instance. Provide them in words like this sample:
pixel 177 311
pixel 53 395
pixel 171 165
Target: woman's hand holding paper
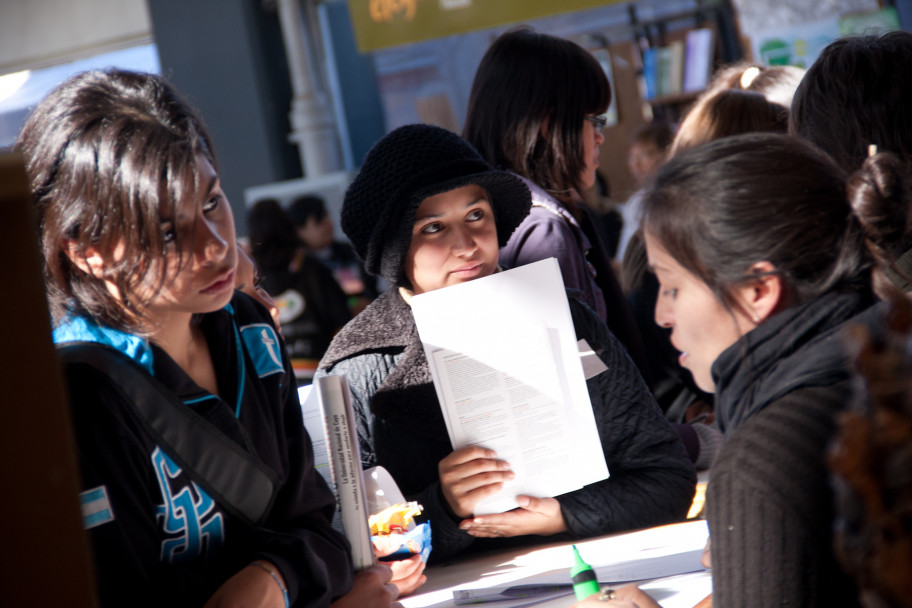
pixel 534 516
pixel 470 474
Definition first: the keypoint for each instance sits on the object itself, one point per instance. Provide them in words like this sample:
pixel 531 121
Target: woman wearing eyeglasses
pixel 536 109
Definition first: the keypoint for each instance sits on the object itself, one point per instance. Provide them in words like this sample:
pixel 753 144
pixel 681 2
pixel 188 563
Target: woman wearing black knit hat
pixel 425 212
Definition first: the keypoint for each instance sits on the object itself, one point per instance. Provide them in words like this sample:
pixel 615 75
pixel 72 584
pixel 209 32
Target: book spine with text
pixel 345 465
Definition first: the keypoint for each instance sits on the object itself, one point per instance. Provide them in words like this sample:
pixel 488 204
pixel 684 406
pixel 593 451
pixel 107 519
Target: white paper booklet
pixel 506 365
pixel 330 423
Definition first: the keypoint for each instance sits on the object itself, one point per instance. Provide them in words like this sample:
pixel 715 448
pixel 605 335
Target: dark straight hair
pixel 722 207
pixel 109 154
pixel 273 239
pixel 881 195
pixel 305 207
pixel 527 104
pixel 856 94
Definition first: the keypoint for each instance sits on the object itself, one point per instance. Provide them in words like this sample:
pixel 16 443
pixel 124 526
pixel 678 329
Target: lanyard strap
pixel 234 477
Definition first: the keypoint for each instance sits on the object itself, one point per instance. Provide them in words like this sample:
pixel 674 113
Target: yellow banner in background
pixel 384 23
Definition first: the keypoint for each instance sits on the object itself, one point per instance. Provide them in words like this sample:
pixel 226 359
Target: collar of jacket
pixel 541 198
pixel 83 329
pixel 799 347
pixel 386 323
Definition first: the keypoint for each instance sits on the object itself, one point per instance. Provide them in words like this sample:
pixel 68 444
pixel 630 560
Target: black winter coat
pixel 400 426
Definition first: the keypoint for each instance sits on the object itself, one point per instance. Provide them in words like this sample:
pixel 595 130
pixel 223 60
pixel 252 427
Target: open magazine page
pixel 505 361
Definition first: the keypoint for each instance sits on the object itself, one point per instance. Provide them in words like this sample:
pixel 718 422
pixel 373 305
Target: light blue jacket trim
pixel 81 329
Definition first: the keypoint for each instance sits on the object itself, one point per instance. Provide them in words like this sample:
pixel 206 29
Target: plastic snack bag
pixel 394 533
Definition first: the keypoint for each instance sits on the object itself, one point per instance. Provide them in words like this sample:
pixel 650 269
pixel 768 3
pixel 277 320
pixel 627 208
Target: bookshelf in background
pixel 714 40
pixel 678 54
pixel 678 72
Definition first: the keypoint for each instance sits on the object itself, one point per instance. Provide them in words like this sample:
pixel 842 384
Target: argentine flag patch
pixel 264 348
pixel 96 508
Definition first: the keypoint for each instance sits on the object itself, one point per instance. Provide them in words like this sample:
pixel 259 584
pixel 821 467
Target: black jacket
pixel 769 502
pixel 163 541
pixel 401 427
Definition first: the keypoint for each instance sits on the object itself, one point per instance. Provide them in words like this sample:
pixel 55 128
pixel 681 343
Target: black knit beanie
pixel 401 170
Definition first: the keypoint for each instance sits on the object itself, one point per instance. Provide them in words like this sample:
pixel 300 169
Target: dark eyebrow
pixel 471 203
pixel 213 185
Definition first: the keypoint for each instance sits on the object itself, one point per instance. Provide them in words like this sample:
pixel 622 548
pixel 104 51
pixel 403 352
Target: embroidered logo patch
pixel 264 348
pixel 190 519
pixel 96 508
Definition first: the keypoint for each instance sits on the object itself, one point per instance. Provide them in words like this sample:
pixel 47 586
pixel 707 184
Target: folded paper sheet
pixel 506 365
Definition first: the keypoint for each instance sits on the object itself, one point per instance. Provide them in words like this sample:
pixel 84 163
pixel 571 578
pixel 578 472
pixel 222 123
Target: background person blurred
pixel 536 109
pixel 728 112
pixel 312 306
pixel 647 151
pixel 317 233
pixel 720 112
pixel 775 82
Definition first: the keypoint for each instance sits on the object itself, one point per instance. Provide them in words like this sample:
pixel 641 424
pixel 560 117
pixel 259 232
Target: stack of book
pixel 679 68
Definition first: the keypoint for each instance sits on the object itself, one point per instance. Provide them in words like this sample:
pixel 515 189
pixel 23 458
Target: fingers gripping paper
pixel 506 366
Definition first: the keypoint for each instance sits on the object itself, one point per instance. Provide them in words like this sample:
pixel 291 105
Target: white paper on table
pixel 506 366
pixel 671 552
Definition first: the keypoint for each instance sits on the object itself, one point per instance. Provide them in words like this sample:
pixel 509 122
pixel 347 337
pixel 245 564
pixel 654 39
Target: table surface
pixel 646 554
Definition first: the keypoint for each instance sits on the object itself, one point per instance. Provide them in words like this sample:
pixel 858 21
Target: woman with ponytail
pixel 880 196
pixel 760 280
pixel 871 456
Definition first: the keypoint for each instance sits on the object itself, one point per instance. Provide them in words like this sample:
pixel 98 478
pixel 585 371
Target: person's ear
pixel 89 262
pixel 763 295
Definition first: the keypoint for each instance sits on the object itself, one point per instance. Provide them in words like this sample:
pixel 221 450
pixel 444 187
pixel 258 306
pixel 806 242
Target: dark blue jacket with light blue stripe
pixel 158 538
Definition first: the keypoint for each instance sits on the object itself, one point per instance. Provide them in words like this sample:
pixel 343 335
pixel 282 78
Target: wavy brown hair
pixel 871 461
